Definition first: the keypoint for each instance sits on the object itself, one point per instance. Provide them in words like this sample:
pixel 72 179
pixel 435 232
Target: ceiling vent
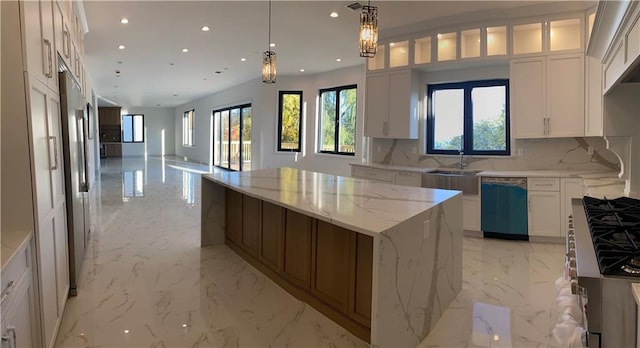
pixel 356 6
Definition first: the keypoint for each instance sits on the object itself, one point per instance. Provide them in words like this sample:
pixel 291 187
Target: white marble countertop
pixel 11 242
pixel 359 205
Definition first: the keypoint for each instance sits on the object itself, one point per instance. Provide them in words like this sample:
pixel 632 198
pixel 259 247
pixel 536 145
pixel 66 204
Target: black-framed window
pixel 468 116
pixel 187 128
pixel 290 121
pixel 133 128
pixel 338 111
pixel 232 137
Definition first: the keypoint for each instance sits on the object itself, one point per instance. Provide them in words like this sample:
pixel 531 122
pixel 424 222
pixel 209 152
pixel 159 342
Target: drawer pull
pixel 8 290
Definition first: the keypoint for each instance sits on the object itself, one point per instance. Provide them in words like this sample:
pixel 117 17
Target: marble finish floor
pixel 146 282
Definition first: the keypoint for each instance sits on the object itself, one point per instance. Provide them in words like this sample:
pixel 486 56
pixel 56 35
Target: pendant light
pixel 368 39
pixel 269 58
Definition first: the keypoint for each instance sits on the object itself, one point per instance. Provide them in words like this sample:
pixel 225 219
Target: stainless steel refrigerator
pixel 74 140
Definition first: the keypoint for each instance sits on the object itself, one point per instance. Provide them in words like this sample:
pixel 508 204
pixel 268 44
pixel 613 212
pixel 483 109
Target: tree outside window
pixel 469 116
pixel 290 121
pixel 338 111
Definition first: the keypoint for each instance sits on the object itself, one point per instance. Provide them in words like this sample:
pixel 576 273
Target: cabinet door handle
pixel 548 125
pixel 7 291
pixel 49 73
pixel 55 152
pixel 66 46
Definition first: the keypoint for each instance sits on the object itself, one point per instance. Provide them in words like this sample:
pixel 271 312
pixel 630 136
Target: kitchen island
pixel 383 261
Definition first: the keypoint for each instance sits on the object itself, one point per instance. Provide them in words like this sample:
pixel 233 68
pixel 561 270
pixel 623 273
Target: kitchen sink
pixel 453 179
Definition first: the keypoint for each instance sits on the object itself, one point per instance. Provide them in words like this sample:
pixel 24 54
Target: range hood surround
pixel 622 131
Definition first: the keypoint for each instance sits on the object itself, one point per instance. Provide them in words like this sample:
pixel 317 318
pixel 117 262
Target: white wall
pixel 156 120
pixel 264 104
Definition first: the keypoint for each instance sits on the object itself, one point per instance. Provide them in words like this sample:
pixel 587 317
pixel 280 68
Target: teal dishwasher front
pixel 504 207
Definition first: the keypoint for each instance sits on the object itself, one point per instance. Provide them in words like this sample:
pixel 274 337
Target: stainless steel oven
pixel 602 262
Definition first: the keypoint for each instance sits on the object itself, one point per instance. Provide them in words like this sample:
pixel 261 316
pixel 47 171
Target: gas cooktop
pixel 615 230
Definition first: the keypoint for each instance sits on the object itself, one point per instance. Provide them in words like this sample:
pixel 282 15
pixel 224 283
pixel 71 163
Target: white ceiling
pixel 155 72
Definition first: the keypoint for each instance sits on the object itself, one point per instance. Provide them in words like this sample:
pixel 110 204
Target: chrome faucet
pixel 462 164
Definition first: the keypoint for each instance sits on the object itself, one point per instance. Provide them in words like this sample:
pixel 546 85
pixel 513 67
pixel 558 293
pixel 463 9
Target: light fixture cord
pixel 269 43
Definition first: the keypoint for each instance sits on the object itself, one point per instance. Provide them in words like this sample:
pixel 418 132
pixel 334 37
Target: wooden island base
pixel 382 261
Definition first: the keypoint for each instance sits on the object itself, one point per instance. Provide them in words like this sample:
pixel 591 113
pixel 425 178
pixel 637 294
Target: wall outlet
pixel 590 150
pixel 520 151
pixel 427 229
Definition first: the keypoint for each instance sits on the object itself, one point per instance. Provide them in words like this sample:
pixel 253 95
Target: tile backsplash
pixel 537 154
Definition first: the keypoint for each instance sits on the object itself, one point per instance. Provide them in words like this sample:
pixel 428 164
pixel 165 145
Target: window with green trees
pixel 468 116
pixel 290 121
pixel 338 111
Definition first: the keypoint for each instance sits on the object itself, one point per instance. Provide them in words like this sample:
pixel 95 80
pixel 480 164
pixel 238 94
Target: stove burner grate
pixel 615 231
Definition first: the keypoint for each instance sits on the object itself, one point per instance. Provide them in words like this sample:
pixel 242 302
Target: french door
pixel 232 138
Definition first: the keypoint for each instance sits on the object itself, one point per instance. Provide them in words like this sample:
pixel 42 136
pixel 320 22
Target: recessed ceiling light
pixel 126 331
pixel 243 59
pixel 124 21
pixel 121 47
pixel 205 28
pixel 333 14
pixel 272 45
pixel 172 64
pixel 338 60
pixel 185 50
pixel 157 104
pixel 204 79
pixel 175 95
pixel 119 62
pixel 301 70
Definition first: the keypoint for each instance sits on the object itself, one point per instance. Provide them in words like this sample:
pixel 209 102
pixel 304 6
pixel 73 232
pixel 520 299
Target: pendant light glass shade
pixel 368 31
pixel 269 59
pixel 269 67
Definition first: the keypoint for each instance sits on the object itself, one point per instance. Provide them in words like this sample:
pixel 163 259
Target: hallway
pixel 146 282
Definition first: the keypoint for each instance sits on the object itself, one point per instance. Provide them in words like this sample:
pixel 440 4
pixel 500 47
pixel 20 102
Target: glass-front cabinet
pixel 470 43
pixel 398 54
pixel 496 41
pixel 527 38
pixel 549 35
pixel 565 34
pixel 378 61
pixel 422 49
pixel 447 49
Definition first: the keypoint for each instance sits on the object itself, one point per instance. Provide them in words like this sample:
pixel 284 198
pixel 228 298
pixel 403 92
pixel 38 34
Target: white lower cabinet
pixel 550 204
pixel 544 213
pixel 18 302
pixel 471 213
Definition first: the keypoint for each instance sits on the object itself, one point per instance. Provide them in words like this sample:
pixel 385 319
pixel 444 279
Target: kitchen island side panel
pixel 417 273
pixel 213 213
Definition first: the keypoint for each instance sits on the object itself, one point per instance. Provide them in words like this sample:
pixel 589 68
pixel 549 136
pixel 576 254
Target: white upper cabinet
pixel 37 27
pixel 547 96
pixel 548 35
pixel 391 105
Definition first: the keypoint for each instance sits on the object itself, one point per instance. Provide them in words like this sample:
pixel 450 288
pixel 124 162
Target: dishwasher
pixel 504 207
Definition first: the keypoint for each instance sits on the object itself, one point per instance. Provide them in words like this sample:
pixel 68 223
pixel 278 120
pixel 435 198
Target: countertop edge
pixel 26 237
pixel 373 233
